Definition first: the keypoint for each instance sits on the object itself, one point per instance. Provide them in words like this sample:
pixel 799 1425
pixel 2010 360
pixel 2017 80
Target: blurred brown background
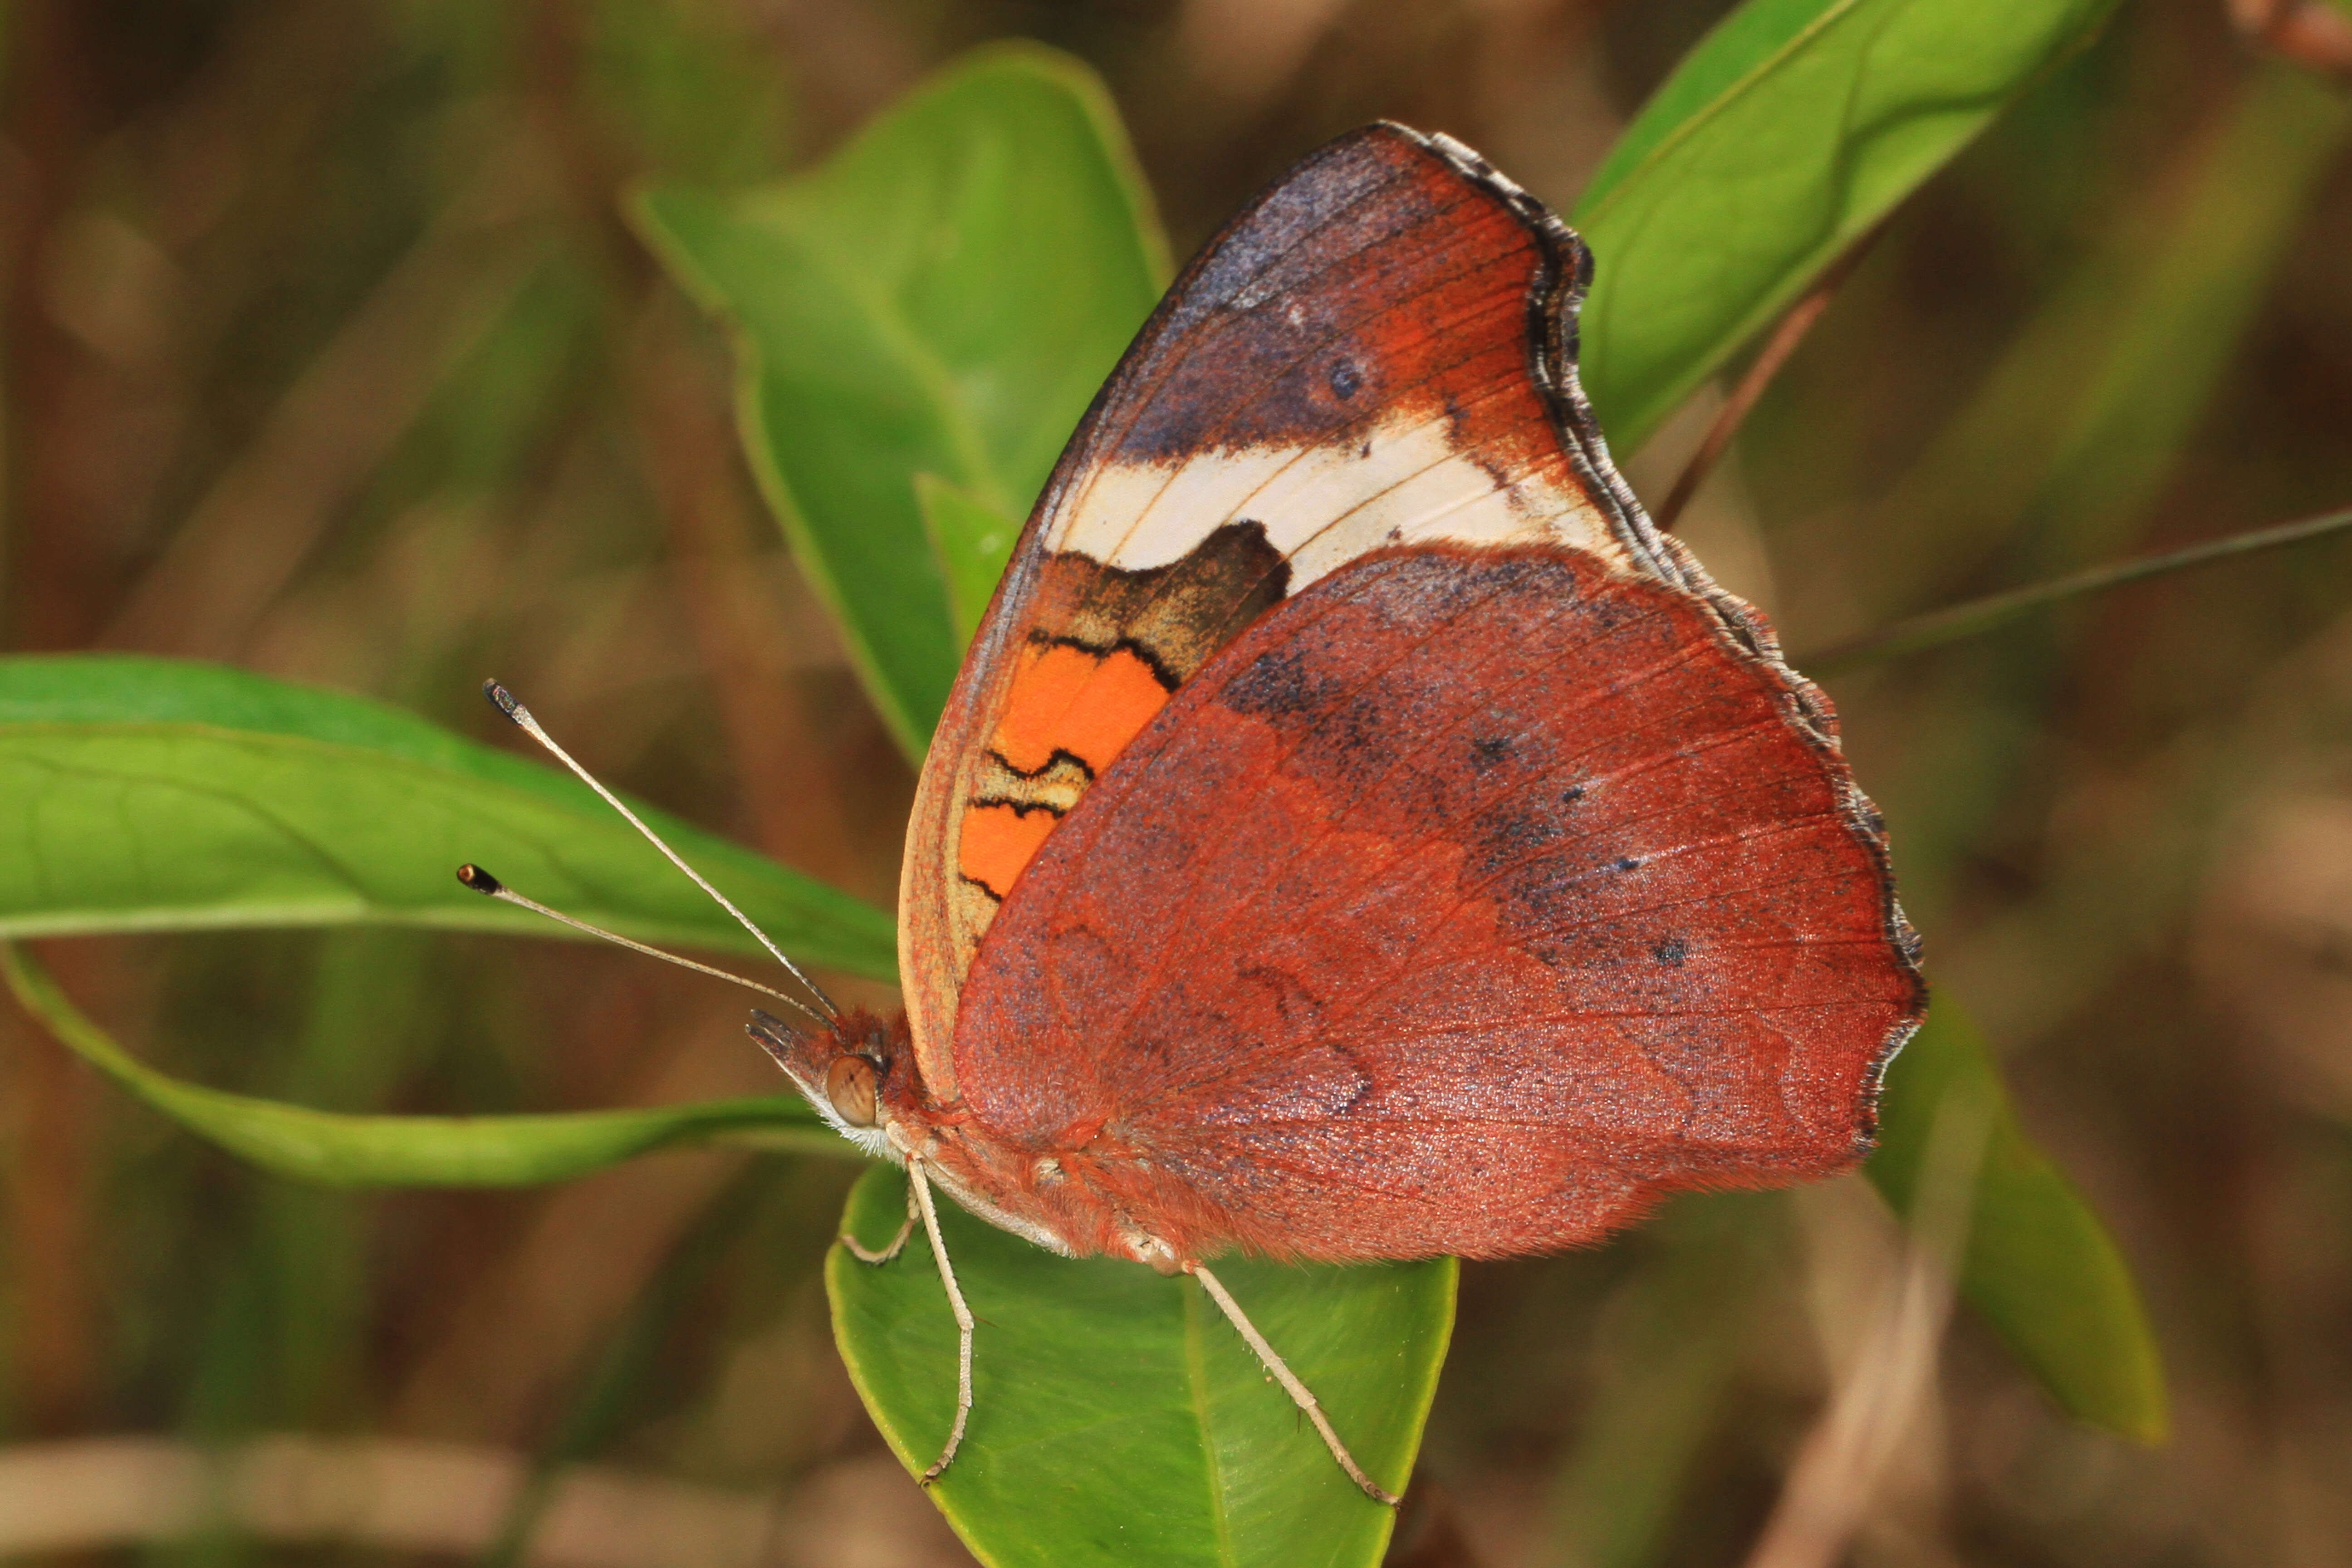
pixel 327 355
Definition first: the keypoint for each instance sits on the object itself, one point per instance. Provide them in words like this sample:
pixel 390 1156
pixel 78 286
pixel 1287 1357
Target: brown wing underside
pixel 1463 907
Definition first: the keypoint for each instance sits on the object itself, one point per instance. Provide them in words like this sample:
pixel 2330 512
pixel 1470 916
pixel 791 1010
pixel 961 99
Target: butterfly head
pixel 859 1071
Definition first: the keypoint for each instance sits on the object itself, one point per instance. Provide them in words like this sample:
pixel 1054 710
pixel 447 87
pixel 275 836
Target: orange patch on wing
pixel 998 842
pixel 1073 700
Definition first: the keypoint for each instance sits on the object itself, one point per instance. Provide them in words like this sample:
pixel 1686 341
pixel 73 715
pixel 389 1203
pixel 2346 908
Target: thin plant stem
pixel 1841 1463
pixel 1776 353
pixel 1978 615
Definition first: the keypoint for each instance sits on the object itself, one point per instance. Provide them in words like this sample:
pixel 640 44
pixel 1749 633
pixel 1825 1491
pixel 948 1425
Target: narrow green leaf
pixel 972 540
pixel 1791 130
pixel 943 296
pixel 148 794
pixel 1117 1417
pixel 1743 43
pixel 337 1149
pixel 2040 1268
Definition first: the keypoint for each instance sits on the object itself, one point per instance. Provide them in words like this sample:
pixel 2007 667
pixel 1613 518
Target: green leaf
pixel 2040 1268
pixel 337 1149
pixel 1117 1417
pixel 971 542
pixel 1749 37
pixel 1791 130
pixel 942 296
pixel 147 795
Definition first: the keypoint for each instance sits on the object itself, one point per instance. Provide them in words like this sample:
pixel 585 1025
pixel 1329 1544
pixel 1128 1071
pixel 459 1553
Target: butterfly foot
pixel 879 1256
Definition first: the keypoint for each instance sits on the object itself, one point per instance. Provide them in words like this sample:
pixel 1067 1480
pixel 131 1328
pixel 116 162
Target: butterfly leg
pixel 1300 1393
pixel 919 1185
pixel 865 1254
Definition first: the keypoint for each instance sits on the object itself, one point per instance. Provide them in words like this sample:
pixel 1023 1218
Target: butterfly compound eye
pixel 849 1084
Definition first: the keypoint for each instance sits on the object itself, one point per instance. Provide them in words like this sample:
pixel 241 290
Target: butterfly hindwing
pixel 1463 906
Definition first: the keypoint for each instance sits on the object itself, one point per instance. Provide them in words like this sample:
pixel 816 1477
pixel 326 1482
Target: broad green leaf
pixel 333 1149
pixel 147 795
pixel 942 296
pixel 1117 1417
pixel 972 540
pixel 1792 129
pixel 2040 1267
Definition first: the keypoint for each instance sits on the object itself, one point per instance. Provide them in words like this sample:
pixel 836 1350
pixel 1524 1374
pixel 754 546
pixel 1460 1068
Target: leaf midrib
pixel 521 788
pixel 1196 1381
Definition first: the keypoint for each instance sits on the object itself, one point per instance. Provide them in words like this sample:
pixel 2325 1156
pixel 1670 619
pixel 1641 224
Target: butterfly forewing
pixel 1375 354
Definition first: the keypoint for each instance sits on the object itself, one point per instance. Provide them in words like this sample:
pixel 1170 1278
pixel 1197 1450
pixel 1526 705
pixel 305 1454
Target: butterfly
pixel 1356 832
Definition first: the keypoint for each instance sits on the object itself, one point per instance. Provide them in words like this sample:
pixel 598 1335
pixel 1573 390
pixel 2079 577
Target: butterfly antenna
pixel 531 726
pixel 490 887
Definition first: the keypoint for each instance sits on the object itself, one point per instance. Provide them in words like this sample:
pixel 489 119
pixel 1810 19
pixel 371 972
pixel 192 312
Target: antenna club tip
pixel 503 698
pixel 481 881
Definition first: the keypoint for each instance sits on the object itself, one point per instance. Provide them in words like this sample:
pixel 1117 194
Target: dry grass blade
pixel 1838 1466
pixel 440 1499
